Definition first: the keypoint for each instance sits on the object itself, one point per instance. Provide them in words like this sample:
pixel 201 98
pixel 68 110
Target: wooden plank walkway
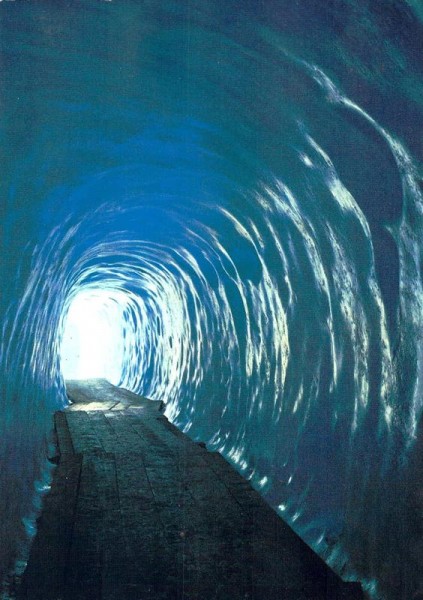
pixel 138 511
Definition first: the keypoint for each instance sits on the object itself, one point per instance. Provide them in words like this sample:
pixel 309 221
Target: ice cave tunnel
pixel 218 204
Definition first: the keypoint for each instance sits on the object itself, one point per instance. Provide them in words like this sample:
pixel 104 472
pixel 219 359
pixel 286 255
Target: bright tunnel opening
pixel 93 338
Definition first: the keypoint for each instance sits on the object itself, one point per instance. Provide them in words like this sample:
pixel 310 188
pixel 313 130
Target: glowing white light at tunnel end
pixel 92 345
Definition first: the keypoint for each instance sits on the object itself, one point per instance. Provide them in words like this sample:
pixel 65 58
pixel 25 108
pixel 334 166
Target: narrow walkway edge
pixel 138 511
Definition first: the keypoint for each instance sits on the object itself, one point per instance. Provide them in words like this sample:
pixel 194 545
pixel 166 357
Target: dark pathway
pixel 138 511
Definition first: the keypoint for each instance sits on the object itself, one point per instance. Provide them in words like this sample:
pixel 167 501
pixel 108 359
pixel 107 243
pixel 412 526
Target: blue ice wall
pixel 247 175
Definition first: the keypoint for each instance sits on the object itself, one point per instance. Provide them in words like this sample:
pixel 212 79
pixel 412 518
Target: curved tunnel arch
pixel 196 192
